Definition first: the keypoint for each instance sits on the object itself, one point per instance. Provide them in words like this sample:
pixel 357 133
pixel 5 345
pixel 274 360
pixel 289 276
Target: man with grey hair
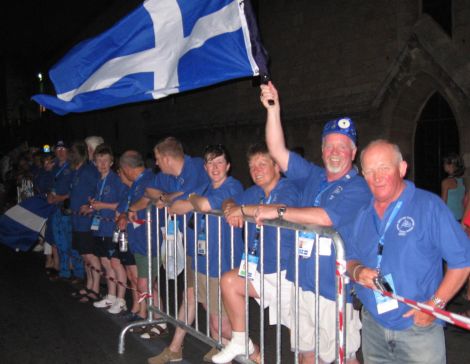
pixel 133 167
pixel 397 245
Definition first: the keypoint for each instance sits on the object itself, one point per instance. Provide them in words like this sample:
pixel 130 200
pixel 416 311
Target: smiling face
pixel 338 152
pixel 384 171
pixel 217 169
pixel 264 171
pixel 103 163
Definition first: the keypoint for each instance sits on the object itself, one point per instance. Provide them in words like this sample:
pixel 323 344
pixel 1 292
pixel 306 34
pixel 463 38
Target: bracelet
pixel 438 302
pixel 354 271
pixel 241 209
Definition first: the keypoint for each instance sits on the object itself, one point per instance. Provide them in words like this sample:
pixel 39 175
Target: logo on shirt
pixel 405 225
pixel 336 191
pixel 106 190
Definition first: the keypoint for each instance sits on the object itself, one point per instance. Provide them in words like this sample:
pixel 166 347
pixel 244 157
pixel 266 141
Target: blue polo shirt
pixel 83 187
pixel 137 235
pixel 216 197
pixel 109 190
pixel 62 179
pixel 422 233
pixel 341 200
pixel 192 176
pixel 285 193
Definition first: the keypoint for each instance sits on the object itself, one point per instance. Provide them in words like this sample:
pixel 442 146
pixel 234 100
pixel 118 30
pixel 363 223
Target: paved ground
pixel 40 323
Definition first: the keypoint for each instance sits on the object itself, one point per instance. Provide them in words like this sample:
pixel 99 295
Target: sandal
pixel 79 293
pixel 91 296
pixel 153 332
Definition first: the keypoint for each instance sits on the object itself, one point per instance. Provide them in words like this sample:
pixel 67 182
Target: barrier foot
pixel 121 345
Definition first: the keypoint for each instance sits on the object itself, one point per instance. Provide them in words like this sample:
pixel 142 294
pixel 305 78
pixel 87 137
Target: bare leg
pixel 233 294
pixel 179 335
pixel 110 276
pixel 120 275
pixel 132 275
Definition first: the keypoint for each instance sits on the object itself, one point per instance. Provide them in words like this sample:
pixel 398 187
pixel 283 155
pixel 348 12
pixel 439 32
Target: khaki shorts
pixel 327 316
pixel 213 293
pixel 143 268
pixel 189 272
pixel 270 296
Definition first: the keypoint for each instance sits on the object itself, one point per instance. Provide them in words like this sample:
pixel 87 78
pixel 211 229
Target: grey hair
pixel 395 148
pixel 132 159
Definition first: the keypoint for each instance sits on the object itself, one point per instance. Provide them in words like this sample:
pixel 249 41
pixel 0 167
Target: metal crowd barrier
pixel 164 315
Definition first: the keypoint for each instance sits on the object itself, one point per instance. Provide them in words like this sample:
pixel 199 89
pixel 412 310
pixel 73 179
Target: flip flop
pixel 91 296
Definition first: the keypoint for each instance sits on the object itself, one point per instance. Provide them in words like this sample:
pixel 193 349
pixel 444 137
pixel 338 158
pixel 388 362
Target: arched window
pixel 436 136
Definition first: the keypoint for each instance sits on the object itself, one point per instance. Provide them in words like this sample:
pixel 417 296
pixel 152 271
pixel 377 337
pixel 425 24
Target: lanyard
pixel 325 185
pixel 380 247
pixel 254 246
pixel 132 190
pixel 202 230
pixel 102 188
pixel 60 170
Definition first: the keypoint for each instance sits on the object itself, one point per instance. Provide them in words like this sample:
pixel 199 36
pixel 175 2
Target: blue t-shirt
pixel 216 197
pixel 341 199
pixel 62 179
pixel 285 193
pixel 137 235
pixel 109 190
pixel 83 188
pixel 422 233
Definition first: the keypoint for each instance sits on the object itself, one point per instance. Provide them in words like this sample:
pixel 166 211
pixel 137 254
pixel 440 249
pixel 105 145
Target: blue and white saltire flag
pixel 20 225
pixel 161 48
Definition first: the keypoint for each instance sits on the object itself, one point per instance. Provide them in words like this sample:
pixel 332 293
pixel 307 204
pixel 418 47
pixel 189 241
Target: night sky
pixel 38 33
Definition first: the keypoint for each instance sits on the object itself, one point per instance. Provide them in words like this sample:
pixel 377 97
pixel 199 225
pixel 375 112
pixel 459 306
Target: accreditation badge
pixel 201 244
pixel 95 223
pixel 384 303
pixel 252 266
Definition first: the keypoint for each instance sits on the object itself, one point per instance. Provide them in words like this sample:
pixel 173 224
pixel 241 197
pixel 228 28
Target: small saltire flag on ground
pixel 161 48
pixel 20 225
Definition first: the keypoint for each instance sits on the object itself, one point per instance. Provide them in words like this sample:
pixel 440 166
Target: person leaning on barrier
pixel 126 258
pixel 205 198
pixel 331 196
pixel 132 166
pixel 269 189
pixel 398 243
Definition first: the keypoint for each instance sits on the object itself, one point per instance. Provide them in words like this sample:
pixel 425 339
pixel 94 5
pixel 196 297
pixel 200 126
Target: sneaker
pixel 118 306
pixel 166 356
pixel 232 350
pixel 106 302
pixel 38 248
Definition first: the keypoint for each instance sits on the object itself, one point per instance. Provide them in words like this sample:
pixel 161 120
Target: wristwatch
pixel 281 211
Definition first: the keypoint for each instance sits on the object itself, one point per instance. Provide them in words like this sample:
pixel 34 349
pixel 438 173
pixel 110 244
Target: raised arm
pixel 274 133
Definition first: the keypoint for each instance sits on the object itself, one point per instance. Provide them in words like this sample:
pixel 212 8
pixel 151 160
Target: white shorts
pixel 270 296
pixel 327 326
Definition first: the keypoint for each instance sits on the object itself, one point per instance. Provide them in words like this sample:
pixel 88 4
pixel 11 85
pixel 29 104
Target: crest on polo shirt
pixel 106 190
pixel 405 225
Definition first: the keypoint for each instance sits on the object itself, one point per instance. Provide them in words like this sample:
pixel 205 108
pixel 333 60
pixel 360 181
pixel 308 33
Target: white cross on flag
pixel 161 48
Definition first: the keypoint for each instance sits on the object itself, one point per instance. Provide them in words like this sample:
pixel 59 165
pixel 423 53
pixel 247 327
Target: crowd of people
pixel 396 238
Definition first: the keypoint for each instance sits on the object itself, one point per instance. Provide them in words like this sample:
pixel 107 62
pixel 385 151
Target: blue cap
pixel 60 144
pixel 343 126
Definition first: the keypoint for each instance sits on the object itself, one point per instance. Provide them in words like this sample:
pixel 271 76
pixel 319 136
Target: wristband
pixel 438 302
pixel 354 271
